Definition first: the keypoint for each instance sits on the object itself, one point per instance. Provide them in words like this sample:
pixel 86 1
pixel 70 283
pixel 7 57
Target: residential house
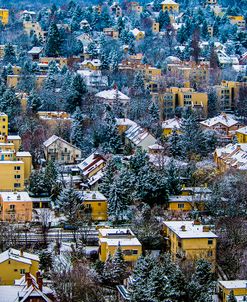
pixel 191 198
pixel 35 53
pixel 91 169
pixel 232 156
pixel 35 28
pixel 96 204
pixel 27 289
pixel 4 16
pixel 190 240
pixel 170 5
pixel 26 158
pixel 224 124
pixel 3 124
pixel 135 7
pixel 55 119
pixel 242 135
pixel 116 9
pixel 137 136
pixel 123 124
pixel 138 34
pixel 113 96
pixel 111 32
pixel 16 206
pixel 239 288
pixel 110 239
pixel 15 263
pixel 155 27
pixel 226 60
pixel 94 64
pixel 28 15
pixel 11 175
pixel 211 2
pixel 58 149
pixel 171 125
pixel 94 79
pixel 237 20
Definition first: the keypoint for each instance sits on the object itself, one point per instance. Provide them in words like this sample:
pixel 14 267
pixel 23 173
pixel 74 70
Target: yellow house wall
pixel 111 250
pixel 99 209
pixel 173 206
pixel 4 16
pixel 23 211
pixel 242 138
pixel 7 179
pixel 3 125
pixel 236 291
pixel 93 172
pixel 10 270
pixel 16 142
pixel 170 7
pixel 27 165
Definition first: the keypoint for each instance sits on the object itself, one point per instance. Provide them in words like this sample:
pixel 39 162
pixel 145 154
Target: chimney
pixel 40 283
pixel 37 275
pixel 206 228
pixel 27 275
pixel 21 252
pixel 29 281
pixel 197 222
pixel 183 228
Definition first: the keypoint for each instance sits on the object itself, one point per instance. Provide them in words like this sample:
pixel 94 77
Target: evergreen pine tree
pixel 174 144
pixel 119 267
pixel 33 102
pixel 9 54
pixel 53 42
pixel 173 179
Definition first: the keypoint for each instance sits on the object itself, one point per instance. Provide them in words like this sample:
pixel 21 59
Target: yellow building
pixel 13 80
pixel 239 288
pixel 152 72
pixel 237 20
pixel 26 158
pixel 242 135
pixel 4 16
pixel 123 124
pixel 155 27
pixel 3 125
pixel 190 240
pixel 11 175
pixel 14 139
pixel 183 97
pixel 138 34
pixel 34 27
pixel 170 5
pixel 110 239
pixel 16 206
pixel 14 264
pixel 170 125
pixel 96 204
pixel 191 198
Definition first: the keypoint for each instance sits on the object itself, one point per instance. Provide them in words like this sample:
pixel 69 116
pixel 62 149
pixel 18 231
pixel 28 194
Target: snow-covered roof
pixel 197 190
pixel 156 147
pixel 16 255
pixel 125 122
pixel 54 138
pixel 109 232
pixel 121 241
pixel 94 62
pixel 14 137
pixel 96 177
pixel 136 31
pixel 188 198
pixel 169 2
pixel 111 95
pixel 2 162
pixel 35 50
pixel 172 124
pixel 233 284
pixel 172 59
pixel 93 196
pixel 224 119
pixel 242 130
pixel 15 197
pixel 187 229
pixel 136 134
pixel 23 154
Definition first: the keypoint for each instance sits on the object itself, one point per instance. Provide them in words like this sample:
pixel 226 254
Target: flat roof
pixel 232 284
pixel 15 197
pixel 191 230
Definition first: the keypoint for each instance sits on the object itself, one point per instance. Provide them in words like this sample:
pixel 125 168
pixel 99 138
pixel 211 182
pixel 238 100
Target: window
pixel 16 185
pixel 12 207
pixel 17 176
pixel 181 205
pixel 210 241
pixel 65 150
pixel 127 252
pixel 17 168
pixel 22 271
pixel 99 204
pixel 210 253
pixel 135 252
pixel 15 270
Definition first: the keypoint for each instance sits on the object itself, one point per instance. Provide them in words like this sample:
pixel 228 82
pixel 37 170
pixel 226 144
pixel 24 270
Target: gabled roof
pixel 35 50
pixel 224 119
pixel 17 256
pixel 136 31
pixel 172 124
pixel 169 2
pixel 111 95
pixel 242 130
pixel 54 138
